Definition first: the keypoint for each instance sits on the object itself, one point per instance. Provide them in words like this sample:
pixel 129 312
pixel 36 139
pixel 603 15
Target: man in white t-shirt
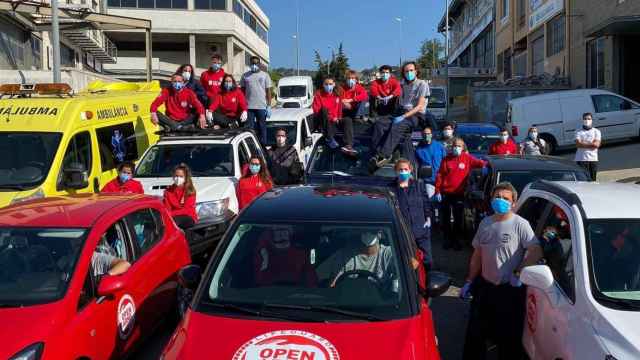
pixel 588 141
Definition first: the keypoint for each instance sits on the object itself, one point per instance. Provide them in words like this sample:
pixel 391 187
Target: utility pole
pixel 399 19
pixel 297 37
pixel 446 58
pixel 55 41
pixel 433 55
pixel 329 61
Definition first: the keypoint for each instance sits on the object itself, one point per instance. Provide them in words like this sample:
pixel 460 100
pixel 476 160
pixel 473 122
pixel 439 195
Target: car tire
pixel 552 144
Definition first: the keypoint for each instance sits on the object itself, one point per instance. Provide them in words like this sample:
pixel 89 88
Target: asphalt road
pixel 617 160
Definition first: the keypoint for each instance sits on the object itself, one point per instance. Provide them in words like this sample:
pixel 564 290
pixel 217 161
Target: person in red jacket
pixel 354 97
pixel 180 198
pixel 179 102
pixel 211 79
pixel 504 146
pixel 327 110
pixel 451 183
pixel 229 108
pixel 254 182
pixel 124 182
pixel 385 92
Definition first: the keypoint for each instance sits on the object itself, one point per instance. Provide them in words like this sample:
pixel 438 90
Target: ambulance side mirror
pixel 75 176
pixel 538 276
pixel 110 285
pixel 189 276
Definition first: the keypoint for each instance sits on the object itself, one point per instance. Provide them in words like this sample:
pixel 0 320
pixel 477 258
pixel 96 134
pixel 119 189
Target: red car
pixel 301 275
pixel 86 277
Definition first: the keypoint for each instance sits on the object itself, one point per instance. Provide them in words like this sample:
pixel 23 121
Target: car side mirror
pixel 425 172
pixel 189 276
pixel 308 141
pixel 75 176
pixel 538 276
pixel 109 285
pixel 437 283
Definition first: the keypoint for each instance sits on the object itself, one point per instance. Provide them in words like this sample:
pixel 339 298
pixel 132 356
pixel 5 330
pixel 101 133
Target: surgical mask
pixel 215 66
pixel 177 85
pixel 504 138
pixel 447 133
pixel 328 88
pixel 533 135
pixel 124 177
pixel 386 76
pixel 351 83
pixel 549 235
pixel 410 75
pixel 281 140
pixel 369 239
pixel 178 180
pixel 254 168
pixel 404 175
pixel 228 86
pixel 457 150
pixel 186 75
pixel 586 124
pixel 427 138
pixel 500 206
pixel 255 67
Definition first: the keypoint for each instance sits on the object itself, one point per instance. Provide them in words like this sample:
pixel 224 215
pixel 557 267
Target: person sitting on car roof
pixel 211 79
pixel 327 110
pixel 178 102
pixel 278 262
pixel 190 83
pixel 229 108
pixel 354 97
pixel 124 182
pixel 504 146
pixel 284 163
pixel 385 92
pixel 533 145
pixel 254 182
pixel 180 198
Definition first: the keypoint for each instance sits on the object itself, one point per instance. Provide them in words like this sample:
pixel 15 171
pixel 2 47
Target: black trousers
pixel 378 108
pixel 497 313
pixel 183 221
pixel 452 205
pixel 224 121
pixel 171 124
pixel 329 128
pixel 387 135
pixel 591 167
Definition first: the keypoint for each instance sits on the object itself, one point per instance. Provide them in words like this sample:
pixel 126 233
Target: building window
pixel 67 56
pixel 149 4
pixel 507 64
pixel 537 56
pixel 520 64
pixel 522 13
pixel 237 8
pixel 504 8
pixel 36 52
pixel 555 35
pixel 210 4
pixel 249 19
pixel 595 63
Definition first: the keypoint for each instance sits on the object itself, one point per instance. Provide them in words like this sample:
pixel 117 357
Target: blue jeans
pixel 257 120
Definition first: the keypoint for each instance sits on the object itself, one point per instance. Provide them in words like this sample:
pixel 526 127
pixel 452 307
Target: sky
pixel 367 28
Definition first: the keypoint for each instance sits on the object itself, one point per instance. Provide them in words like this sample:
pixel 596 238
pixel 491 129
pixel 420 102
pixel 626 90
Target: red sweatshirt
pixel 212 82
pixel 331 102
pixel 500 148
pixel 178 104
pixel 453 173
pixel 291 265
pixel 249 188
pixel 129 187
pixel 356 93
pixel 384 89
pixel 231 103
pixel 177 204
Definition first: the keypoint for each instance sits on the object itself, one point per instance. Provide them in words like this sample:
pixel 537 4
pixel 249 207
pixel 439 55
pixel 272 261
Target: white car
pixel 558 115
pixel 584 303
pixel 216 160
pixel 298 123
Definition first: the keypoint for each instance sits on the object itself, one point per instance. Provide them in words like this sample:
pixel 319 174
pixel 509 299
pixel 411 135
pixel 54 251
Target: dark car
pixel 519 171
pixel 477 136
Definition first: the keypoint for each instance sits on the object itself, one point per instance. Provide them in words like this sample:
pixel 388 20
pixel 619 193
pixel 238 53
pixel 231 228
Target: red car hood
pixel 21 327
pixel 202 336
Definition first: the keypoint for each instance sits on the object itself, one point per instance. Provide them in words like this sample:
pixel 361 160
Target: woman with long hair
pixel 229 108
pixel 327 110
pixel 180 197
pixel 186 70
pixel 255 181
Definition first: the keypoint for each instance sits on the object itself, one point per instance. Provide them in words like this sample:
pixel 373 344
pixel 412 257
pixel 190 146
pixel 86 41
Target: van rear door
pixel 572 109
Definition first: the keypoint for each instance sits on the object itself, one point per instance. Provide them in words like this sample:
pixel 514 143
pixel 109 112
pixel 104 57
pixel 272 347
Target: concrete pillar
pixel 192 50
pixel 230 56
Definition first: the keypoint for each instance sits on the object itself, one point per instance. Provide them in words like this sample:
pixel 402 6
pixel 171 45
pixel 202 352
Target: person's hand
pixel 398 119
pixel 437 197
pixel 465 292
pixel 243 116
pixel 203 122
pixel 515 281
pixel 268 112
pixel 209 115
pixel 154 118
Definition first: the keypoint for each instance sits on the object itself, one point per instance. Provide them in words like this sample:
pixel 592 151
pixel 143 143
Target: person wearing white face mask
pixel 354 97
pixel 180 198
pixel 385 92
pixel 190 83
pixel 447 135
pixel 504 146
pixel 588 141
pixel 533 144
pixel 257 88
pixel 283 160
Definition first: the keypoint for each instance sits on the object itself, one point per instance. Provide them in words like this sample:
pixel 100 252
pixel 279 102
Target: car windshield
pixel 36 264
pixel 290 126
pixel 203 159
pixel 437 98
pixel 335 162
pixel 319 271
pixel 520 179
pixel 614 247
pixel 293 91
pixel 31 155
pixel 479 144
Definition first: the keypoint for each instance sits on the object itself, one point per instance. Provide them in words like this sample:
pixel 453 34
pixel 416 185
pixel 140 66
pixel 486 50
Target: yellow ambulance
pixel 54 142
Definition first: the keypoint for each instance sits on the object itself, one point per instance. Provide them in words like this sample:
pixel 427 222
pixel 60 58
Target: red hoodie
pixel 500 148
pixel 177 204
pixel 290 265
pixel 212 82
pixel 231 103
pixel 384 89
pixel 178 104
pixel 329 101
pixel 129 187
pixel 453 173
pixel 249 188
pixel 356 93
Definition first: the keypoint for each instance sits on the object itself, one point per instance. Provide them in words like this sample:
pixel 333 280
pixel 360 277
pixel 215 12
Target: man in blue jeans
pixel 256 85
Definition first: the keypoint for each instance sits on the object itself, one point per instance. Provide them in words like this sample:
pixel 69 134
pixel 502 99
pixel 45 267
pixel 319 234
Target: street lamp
pixel 297 45
pixel 399 19
pixel 297 37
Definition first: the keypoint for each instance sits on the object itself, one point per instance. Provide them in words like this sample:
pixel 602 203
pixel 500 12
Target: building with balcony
pixel 190 31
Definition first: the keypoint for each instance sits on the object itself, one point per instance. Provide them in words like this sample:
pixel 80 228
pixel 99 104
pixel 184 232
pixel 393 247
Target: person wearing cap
pixel 503 245
pixel 211 79
pixel 179 103
pixel 124 182
pixel 384 92
pixel 256 85
pixel 504 146
pixel 354 97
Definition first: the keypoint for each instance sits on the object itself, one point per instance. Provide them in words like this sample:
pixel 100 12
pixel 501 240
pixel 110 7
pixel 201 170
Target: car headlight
pixel 31 352
pixel 212 209
pixel 39 194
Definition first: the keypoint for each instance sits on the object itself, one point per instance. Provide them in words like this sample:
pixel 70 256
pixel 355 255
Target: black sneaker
pixel 372 166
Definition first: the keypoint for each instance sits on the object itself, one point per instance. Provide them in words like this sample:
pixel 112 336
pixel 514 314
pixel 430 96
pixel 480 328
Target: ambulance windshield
pixel 31 155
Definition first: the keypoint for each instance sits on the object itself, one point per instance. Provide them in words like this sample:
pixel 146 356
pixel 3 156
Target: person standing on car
pixel 180 198
pixel 229 108
pixel 504 146
pixel 354 97
pixel 503 245
pixel 588 141
pixel 430 152
pixel 254 182
pixel 190 83
pixel 257 89
pixel 284 163
pixel 327 110
pixel 533 145
pixel 178 102
pixel 385 92
pixel 211 79
pixel 451 183
pixel 124 182
pixel 415 206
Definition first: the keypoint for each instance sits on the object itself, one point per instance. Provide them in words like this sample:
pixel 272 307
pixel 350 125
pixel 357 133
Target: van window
pixel 31 156
pixel 117 144
pixel 610 103
pixel 293 91
pixel 78 152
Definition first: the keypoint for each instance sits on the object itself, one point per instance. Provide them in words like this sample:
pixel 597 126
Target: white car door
pixel 615 116
pixel 306 146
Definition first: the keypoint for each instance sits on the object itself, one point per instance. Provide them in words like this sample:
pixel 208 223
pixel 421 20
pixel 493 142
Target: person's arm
pixel 268 90
pixel 193 99
pixel 317 103
pixel 396 88
pixel 189 202
pixel 203 81
pixel 375 92
pixel 242 102
pixel 159 101
pixel 476 163
pixel 361 93
pixel 118 267
pixel 422 102
pixel 171 201
pixel 426 202
pixel 214 103
pixel 137 187
pixel 597 141
pixel 514 147
pixel 475 265
pixel 440 178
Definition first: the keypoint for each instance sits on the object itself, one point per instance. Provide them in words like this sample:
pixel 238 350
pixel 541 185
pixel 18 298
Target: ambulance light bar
pixel 40 89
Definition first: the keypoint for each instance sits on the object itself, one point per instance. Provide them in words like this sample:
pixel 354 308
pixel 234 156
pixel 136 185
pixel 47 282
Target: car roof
pixel 224 136
pixel 559 94
pixel 470 128
pixel 72 212
pixel 281 114
pixel 531 162
pixel 348 203
pixel 293 80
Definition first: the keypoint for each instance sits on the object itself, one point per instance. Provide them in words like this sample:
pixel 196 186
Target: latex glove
pixel 515 281
pixel 268 112
pixel 437 197
pixel 427 223
pixel 485 171
pixel 465 292
pixel 209 116
pixel 203 122
pixel 243 116
pixel 154 118
pixel 398 119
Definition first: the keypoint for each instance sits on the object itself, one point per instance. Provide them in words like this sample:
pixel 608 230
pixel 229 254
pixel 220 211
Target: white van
pixel 558 114
pixel 295 92
pixel 437 104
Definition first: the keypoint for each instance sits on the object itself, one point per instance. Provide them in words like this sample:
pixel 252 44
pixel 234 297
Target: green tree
pixel 430 54
pixel 337 66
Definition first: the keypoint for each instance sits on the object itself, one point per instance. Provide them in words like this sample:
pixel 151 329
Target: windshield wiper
pixel 256 313
pixel 625 303
pixel 327 309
